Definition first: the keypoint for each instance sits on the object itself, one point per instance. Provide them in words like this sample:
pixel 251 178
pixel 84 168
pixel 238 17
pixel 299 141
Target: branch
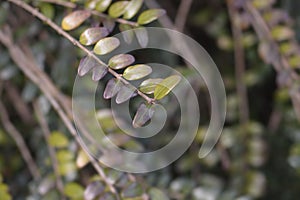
pixel 182 14
pixel 279 61
pixel 46 133
pixel 17 137
pixel 60 31
pixel 240 66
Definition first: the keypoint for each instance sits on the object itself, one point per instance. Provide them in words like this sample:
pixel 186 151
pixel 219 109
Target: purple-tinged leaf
pixel 99 72
pixel 121 61
pixel 112 88
pixel 75 19
pixel 143 115
pixel 126 92
pixel 92 35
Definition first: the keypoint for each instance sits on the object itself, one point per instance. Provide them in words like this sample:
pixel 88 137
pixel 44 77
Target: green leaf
pixel 117 9
pixel 64 156
pixel 142 116
pixel 106 45
pixel 92 35
pixel 165 87
pixel 93 190
pixel 148 86
pixel 281 33
pixel 142 36
pixel 112 88
pixel 133 190
pixel 109 23
pixel 48 10
pixel 86 64
pixel 125 93
pixel 57 139
pixel 75 19
pixel 102 5
pixel 149 16
pixel 136 72
pixel 157 194
pixel 73 190
pixel 121 61
pixel 67 168
pixel 82 159
pixel 132 9
pixel 127 33
pixel 99 72
pixel 263 4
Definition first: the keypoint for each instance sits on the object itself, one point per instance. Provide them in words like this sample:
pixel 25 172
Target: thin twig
pixel 182 14
pixel 240 66
pixel 20 106
pixel 17 137
pixel 46 133
pixel 29 67
pixel 59 30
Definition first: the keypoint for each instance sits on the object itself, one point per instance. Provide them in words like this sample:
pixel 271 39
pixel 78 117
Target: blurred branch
pixel 41 80
pixel 240 66
pixel 279 61
pixel 182 14
pixel 16 99
pixel 17 137
pixel 46 133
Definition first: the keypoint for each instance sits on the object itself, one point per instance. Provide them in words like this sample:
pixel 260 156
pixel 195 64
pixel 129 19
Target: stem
pixel 240 66
pixel 46 133
pixel 17 137
pixel 182 14
pixel 60 31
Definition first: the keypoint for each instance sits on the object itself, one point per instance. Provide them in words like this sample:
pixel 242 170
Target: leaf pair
pixel 160 87
pixel 126 8
pixel 116 87
pixel 88 63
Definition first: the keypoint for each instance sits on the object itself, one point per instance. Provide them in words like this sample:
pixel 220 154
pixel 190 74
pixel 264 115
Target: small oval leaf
pixel 133 7
pixel 58 140
pixel 136 72
pixel 132 191
pixel 126 92
pixel 117 9
pixel 106 45
pixel 93 190
pixel 99 72
pixel 157 194
pixel 73 190
pixel 149 16
pixel 165 87
pixel 75 19
pixel 127 33
pixel 92 35
pixel 102 5
pixel 142 116
pixel 142 36
pixel 148 86
pixel 86 64
pixel 112 88
pixel 109 23
pixel 281 33
pixel 121 61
